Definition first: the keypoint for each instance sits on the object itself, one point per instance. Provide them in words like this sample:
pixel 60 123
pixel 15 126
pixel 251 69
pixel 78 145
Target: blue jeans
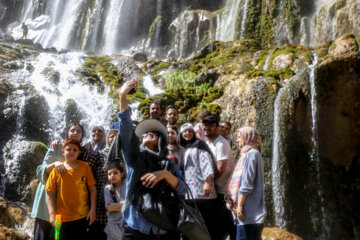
pixel 249 232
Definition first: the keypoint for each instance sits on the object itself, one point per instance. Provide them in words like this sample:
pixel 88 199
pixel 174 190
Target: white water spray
pixel 243 20
pixel 277 190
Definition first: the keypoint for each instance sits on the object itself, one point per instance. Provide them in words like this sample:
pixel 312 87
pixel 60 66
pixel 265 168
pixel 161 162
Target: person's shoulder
pixel 83 164
pixel 253 154
pixel 107 187
pixel 221 141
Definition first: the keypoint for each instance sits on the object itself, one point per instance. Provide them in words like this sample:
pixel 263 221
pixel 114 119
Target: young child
pixel 114 199
pixel 68 194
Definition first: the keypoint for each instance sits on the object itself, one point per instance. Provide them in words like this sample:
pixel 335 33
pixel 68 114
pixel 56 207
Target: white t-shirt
pixel 221 149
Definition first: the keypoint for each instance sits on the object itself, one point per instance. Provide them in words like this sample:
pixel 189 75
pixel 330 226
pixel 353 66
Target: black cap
pixel 211 119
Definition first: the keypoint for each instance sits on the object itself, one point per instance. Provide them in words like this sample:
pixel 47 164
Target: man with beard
pixel 221 150
pixel 172 116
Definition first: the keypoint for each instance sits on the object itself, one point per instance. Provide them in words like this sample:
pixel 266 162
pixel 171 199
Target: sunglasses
pixel 151 133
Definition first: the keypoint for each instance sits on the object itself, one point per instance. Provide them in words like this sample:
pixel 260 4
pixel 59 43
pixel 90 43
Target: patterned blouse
pixel 96 162
pixel 197 167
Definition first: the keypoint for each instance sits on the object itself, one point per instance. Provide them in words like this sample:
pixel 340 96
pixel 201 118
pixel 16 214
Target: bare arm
pixel 221 167
pixel 92 213
pixel 151 179
pixel 240 207
pixel 50 202
pixel 124 90
pixel 207 185
pixel 114 207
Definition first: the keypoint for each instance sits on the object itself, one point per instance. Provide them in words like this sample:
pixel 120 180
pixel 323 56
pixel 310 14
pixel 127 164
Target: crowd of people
pixel 96 185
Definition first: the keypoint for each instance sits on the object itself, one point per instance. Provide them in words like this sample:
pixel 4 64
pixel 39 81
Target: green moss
pixel 158 67
pixel 40 144
pixel 153 26
pixel 323 50
pixel 98 70
pixel 260 61
pixel 221 10
pixel 292 15
pixel 280 74
pixel 267 24
pixel 182 91
pixel 140 93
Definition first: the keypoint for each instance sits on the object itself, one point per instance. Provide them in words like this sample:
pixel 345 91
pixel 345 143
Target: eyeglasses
pixel 151 133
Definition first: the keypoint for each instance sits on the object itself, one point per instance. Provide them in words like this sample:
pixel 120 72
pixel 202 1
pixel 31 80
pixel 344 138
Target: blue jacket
pixel 130 151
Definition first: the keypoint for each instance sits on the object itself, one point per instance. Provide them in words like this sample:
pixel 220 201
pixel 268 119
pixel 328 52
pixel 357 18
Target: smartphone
pixel 132 91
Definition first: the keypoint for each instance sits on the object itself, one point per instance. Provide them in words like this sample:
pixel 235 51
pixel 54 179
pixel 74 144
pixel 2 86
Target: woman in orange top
pixel 68 194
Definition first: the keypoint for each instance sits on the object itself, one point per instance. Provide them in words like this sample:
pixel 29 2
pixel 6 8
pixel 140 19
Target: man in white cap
pixel 141 150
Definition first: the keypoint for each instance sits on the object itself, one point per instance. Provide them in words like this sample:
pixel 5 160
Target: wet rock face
pixel 278 234
pixel 334 19
pixel 12 215
pixel 35 119
pixel 192 30
pixel 339 143
pixel 7 113
pixel 21 159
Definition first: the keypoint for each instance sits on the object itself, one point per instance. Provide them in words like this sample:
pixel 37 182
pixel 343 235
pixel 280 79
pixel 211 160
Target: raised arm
pixel 124 90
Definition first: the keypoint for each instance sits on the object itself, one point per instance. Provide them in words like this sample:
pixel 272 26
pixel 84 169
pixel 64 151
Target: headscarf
pixel 99 145
pixel 251 140
pixel 108 135
pixel 195 142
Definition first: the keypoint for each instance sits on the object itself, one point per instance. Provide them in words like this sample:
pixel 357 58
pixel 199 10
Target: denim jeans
pixel 249 232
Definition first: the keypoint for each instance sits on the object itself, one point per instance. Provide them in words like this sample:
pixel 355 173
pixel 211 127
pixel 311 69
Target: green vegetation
pixel 153 26
pixel 189 97
pixel 221 10
pixel 99 71
pixel 158 67
pixel 276 74
pixel 221 54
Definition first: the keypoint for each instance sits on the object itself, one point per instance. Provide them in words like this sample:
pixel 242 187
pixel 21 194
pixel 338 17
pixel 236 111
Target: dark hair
pixel 155 102
pixel 203 114
pixel 171 107
pixel 71 141
pixel 75 124
pixel 175 128
pixel 121 167
pixel 228 123
pixel 183 142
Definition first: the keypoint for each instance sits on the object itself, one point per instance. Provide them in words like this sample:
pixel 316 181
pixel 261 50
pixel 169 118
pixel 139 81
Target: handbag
pixel 160 205
pixel 191 224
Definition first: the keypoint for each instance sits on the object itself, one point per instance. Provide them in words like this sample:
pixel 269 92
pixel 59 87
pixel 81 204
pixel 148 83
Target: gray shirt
pixel 113 227
pixel 252 186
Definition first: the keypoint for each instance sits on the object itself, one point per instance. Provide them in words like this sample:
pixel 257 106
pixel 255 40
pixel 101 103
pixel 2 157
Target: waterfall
pixel 93 106
pixel 243 20
pixel 267 60
pixel 314 157
pixel 111 28
pixel 277 186
pixel 226 30
pixel 313 102
pixel 150 87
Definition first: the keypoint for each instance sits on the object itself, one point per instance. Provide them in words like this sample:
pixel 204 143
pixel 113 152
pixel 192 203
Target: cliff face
pixel 175 29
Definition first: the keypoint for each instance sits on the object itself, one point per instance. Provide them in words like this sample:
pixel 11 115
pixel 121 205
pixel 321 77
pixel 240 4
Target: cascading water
pixel 267 61
pixel 226 30
pixel 243 20
pixel 277 186
pixel 93 106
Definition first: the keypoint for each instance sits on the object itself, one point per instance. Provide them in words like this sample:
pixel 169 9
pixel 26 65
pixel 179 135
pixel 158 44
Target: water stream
pixel 277 187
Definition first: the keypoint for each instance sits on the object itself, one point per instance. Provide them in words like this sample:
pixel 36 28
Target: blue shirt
pixel 252 186
pixel 131 216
